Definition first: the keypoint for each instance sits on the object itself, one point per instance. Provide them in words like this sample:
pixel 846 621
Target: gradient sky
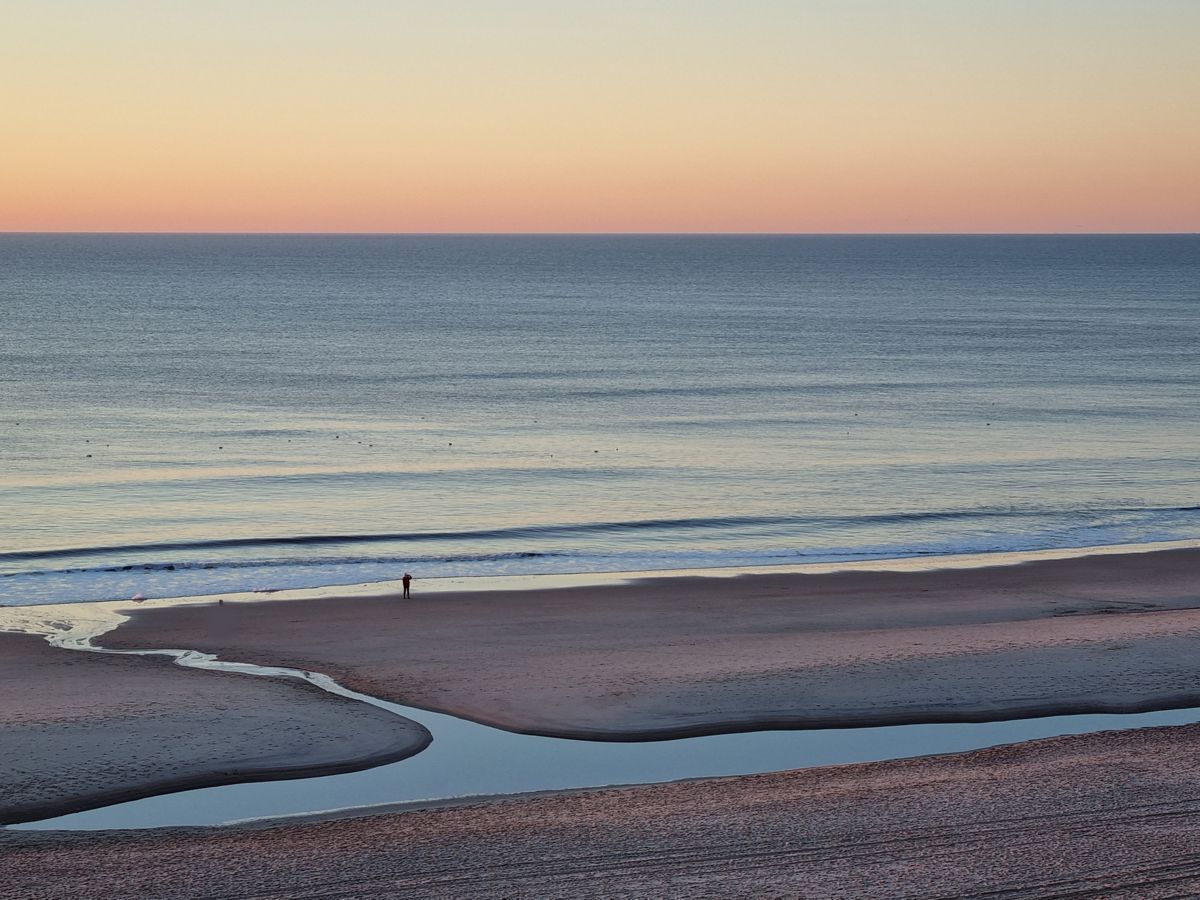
pixel 531 115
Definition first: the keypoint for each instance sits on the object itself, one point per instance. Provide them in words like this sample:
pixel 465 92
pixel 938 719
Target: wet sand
pixel 696 655
pixel 80 729
pixel 1113 815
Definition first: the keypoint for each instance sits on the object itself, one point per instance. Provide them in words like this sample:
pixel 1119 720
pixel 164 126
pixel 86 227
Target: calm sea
pixel 194 414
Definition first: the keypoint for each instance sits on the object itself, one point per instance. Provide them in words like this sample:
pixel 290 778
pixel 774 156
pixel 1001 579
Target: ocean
pixel 186 415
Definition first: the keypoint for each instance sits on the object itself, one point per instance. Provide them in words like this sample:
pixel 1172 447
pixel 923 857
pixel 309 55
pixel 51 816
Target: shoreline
pixel 595 579
pixel 49 619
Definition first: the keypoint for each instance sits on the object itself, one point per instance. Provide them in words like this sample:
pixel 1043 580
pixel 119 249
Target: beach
pixel 1112 812
pixel 679 656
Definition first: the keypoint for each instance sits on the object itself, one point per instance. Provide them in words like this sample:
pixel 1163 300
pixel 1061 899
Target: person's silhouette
pixel 405 580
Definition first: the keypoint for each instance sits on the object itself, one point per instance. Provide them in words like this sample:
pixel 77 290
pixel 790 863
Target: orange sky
pixel 372 115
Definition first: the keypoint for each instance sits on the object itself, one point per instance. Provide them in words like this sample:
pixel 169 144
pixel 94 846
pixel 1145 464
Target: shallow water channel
pixel 467 759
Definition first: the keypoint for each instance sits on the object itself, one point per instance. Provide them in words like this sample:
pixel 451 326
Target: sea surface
pixel 186 415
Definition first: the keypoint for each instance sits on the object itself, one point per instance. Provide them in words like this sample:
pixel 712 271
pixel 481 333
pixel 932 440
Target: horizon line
pixel 231 233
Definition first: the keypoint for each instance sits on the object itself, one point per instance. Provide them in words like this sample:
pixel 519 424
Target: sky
pixel 571 116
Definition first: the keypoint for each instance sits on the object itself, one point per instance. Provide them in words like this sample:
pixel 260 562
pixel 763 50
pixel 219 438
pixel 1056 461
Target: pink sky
pixel 862 115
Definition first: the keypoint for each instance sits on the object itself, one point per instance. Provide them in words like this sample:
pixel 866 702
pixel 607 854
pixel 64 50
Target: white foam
pixel 66 621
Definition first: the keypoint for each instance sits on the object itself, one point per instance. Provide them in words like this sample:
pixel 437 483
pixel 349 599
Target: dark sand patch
pixel 693 655
pixel 79 729
pixel 1113 815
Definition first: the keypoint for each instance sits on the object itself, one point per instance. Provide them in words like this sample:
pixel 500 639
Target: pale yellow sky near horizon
pixel 813 115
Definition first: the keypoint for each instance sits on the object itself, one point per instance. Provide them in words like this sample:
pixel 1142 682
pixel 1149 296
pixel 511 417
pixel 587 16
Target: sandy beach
pixel 82 729
pixel 1111 815
pixel 695 655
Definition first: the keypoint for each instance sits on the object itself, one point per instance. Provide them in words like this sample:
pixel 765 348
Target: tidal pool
pixel 467 759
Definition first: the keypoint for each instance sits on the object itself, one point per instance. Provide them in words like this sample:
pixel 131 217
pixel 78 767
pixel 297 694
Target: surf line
pixel 468 761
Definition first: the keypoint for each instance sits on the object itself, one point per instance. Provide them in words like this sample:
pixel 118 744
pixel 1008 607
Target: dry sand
pixel 1114 815
pixel 674 656
pixel 80 729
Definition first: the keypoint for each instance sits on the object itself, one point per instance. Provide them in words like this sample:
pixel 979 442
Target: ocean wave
pixel 309 562
pixel 98 584
pixel 590 529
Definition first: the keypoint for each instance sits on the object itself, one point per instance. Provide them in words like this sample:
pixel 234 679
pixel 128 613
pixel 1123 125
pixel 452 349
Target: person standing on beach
pixel 404 581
